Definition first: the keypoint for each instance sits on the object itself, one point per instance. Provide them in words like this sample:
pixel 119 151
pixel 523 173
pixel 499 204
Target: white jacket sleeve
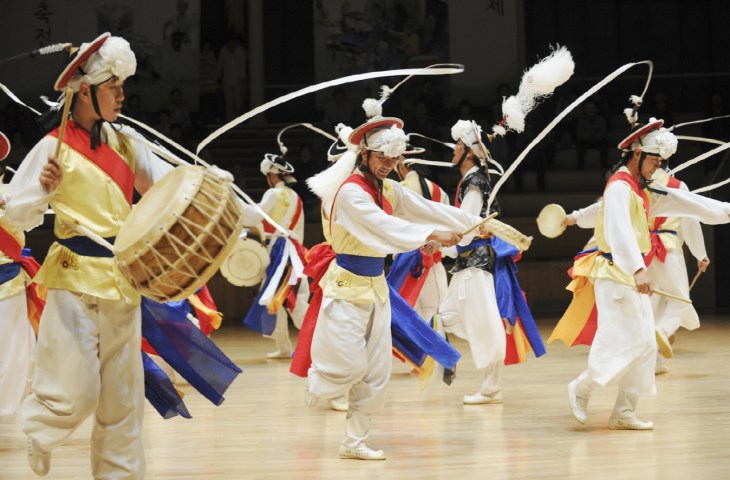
pixel 680 203
pixel 26 200
pixel 586 217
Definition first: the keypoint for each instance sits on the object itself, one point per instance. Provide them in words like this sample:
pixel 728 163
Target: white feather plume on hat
pixel 537 83
pixel 325 183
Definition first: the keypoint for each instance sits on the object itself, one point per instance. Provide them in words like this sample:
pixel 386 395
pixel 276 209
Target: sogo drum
pixel 178 234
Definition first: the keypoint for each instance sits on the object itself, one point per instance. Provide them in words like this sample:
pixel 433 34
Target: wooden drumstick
pixel 64 119
pixel 694 280
pixel 669 295
pixel 475 226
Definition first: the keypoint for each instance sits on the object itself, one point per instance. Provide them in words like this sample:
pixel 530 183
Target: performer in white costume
pixel 285 207
pixel 624 347
pixel 667 269
pixel 370 217
pixel 88 358
pixel 17 339
pixel 470 308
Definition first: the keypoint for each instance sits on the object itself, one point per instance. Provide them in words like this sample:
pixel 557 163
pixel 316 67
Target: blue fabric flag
pixel 258 318
pixel 160 392
pixel 187 350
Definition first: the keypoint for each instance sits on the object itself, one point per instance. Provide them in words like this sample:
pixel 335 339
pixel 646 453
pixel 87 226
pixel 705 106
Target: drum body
pixel 176 237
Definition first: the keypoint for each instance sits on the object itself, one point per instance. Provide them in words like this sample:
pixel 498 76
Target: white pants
pixel 351 350
pixel 432 293
pixel 88 361
pixel 17 346
pixel 470 311
pixel 281 331
pixel 624 348
pixel 280 335
pixel 671 277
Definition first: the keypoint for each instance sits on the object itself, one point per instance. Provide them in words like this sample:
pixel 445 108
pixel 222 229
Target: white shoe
pixel 481 399
pixel 361 452
pixel 310 399
pixel 578 405
pixel 340 404
pixel 39 461
pixel 629 423
pixel 665 348
pixel 279 355
pixel 660 368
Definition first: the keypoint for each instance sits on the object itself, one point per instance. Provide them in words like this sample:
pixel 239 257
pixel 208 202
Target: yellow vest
pixel 604 268
pixel 283 194
pixel 88 195
pixel 671 242
pixel 342 284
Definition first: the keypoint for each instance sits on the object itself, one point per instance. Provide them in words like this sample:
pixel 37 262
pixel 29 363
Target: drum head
pixel 158 209
pixel 246 265
pixel 550 220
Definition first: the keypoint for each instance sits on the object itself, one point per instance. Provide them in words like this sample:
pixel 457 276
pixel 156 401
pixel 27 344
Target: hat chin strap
pixel 457 165
pixel 98 124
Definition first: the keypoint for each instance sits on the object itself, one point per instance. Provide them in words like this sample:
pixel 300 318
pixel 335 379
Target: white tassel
pixel 326 183
pixel 537 83
pixel 631 115
pixel 514 112
pixel 549 73
pixel 499 130
pixel 636 100
pixel 372 107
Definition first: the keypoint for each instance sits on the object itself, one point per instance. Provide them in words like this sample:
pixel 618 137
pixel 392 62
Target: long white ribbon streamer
pixel 309 126
pixel 555 121
pixel 699 158
pixel 439 69
pixel 172 158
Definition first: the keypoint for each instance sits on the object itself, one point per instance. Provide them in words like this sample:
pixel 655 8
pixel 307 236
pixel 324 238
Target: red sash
pixel 658 249
pixel 436 193
pixel 268 228
pixel 457 203
pixel 103 157
pixel 369 188
pixel 634 184
pixel 36 299
pixel 9 245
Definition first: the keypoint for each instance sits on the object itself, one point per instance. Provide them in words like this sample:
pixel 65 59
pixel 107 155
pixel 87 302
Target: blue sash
pixel 160 391
pixel 361 265
pixel 86 247
pixel 9 271
pixel 413 337
pixel 474 244
pixel 510 300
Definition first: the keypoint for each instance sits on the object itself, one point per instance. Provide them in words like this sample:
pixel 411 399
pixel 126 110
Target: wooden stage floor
pixel 264 431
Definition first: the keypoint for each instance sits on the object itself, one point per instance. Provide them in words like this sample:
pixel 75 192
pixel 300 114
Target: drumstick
pixel 669 295
pixel 64 119
pixel 88 233
pixel 475 226
pixel 694 280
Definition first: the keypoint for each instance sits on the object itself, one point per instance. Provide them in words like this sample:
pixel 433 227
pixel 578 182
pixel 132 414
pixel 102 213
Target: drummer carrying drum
pixel 87 360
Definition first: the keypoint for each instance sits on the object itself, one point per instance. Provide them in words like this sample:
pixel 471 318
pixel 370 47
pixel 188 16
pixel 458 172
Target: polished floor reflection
pixel 264 431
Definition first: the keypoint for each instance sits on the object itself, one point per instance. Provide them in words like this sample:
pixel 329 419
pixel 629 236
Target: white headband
pixel 391 141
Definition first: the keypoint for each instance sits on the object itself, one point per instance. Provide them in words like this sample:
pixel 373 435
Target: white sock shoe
pixel 361 452
pixel 578 405
pixel 39 461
